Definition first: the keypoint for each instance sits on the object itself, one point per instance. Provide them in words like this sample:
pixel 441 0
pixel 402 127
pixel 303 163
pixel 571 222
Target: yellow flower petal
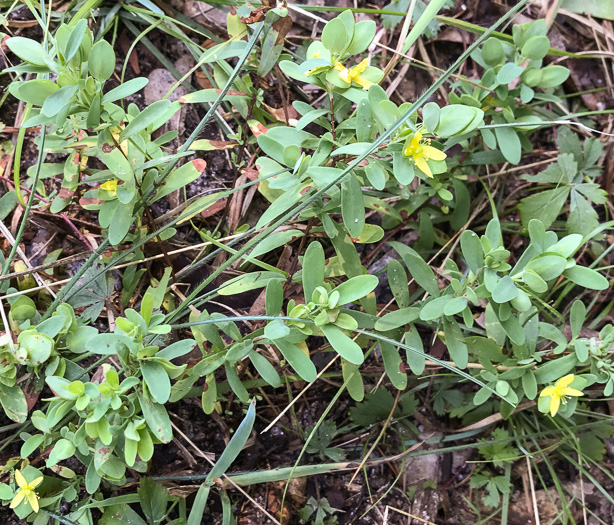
pixel 17 499
pixel 35 483
pixel 363 83
pixel 555 403
pixel 416 140
pixel 548 391
pixel 360 68
pixel 573 392
pixel 434 153
pixel 345 75
pixel 339 66
pixel 565 381
pixel 33 501
pixel 421 162
pixel 21 481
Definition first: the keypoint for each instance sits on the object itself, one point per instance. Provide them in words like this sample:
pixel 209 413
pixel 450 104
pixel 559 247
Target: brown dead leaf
pixel 203 80
pixel 216 207
pixel 257 128
pixel 125 43
pixel 280 114
pixel 257 15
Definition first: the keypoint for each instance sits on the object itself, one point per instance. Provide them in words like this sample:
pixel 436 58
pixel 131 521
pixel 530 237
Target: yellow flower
pixel 110 186
pixel 317 54
pixel 560 392
pixel 26 491
pixel 422 151
pixel 353 75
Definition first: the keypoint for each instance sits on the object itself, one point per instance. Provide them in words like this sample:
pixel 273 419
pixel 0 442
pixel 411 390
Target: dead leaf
pixel 257 128
pixel 257 15
pixel 216 207
pixel 125 43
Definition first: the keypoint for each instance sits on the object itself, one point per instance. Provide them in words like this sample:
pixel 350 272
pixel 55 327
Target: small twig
pixel 64 216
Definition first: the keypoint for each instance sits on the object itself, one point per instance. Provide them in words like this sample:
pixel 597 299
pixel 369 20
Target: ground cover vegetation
pixel 274 285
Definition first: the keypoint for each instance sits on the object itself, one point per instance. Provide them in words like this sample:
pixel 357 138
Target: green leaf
pixel 455 306
pixel 63 449
pixel 274 241
pixel 393 364
pixel 397 280
pixel 315 263
pixel 276 329
pixel 157 380
pixel 534 281
pixel 472 251
pixel 555 369
pixel 364 32
pixel 343 344
pixel 101 61
pixel 352 206
pixel 274 297
pixel 508 73
pixel 586 277
pixel 248 281
pixel 58 100
pixel 548 266
pixel 33 91
pixel 416 359
pixel 398 318
pixel 434 308
pixel 365 123
pixel 536 47
pixel 583 218
pixel 121 515
pixel 428 15
pixel 577 316
pixel 353 380
pixel 509 143
pixel 553 76
pixel 529 384
pixel 335 36
pixel 505 290
pixel 265 369
pixel 376 175
pixel 156 418
pixel 596 8
pixel 125 90
pixel 455 343
pixel 419 270
pixel 356 288
pixel 493 52
pixel 144 119
pixel 28 50
pixel 153 500
pixel 181 177
pixel 13 402
pixel 235 445
pixel 298 360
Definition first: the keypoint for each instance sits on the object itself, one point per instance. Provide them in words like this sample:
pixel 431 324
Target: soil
pixel 431 489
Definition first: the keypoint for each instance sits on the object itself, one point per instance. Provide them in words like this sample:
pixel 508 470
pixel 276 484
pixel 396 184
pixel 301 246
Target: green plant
pixel 342 180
